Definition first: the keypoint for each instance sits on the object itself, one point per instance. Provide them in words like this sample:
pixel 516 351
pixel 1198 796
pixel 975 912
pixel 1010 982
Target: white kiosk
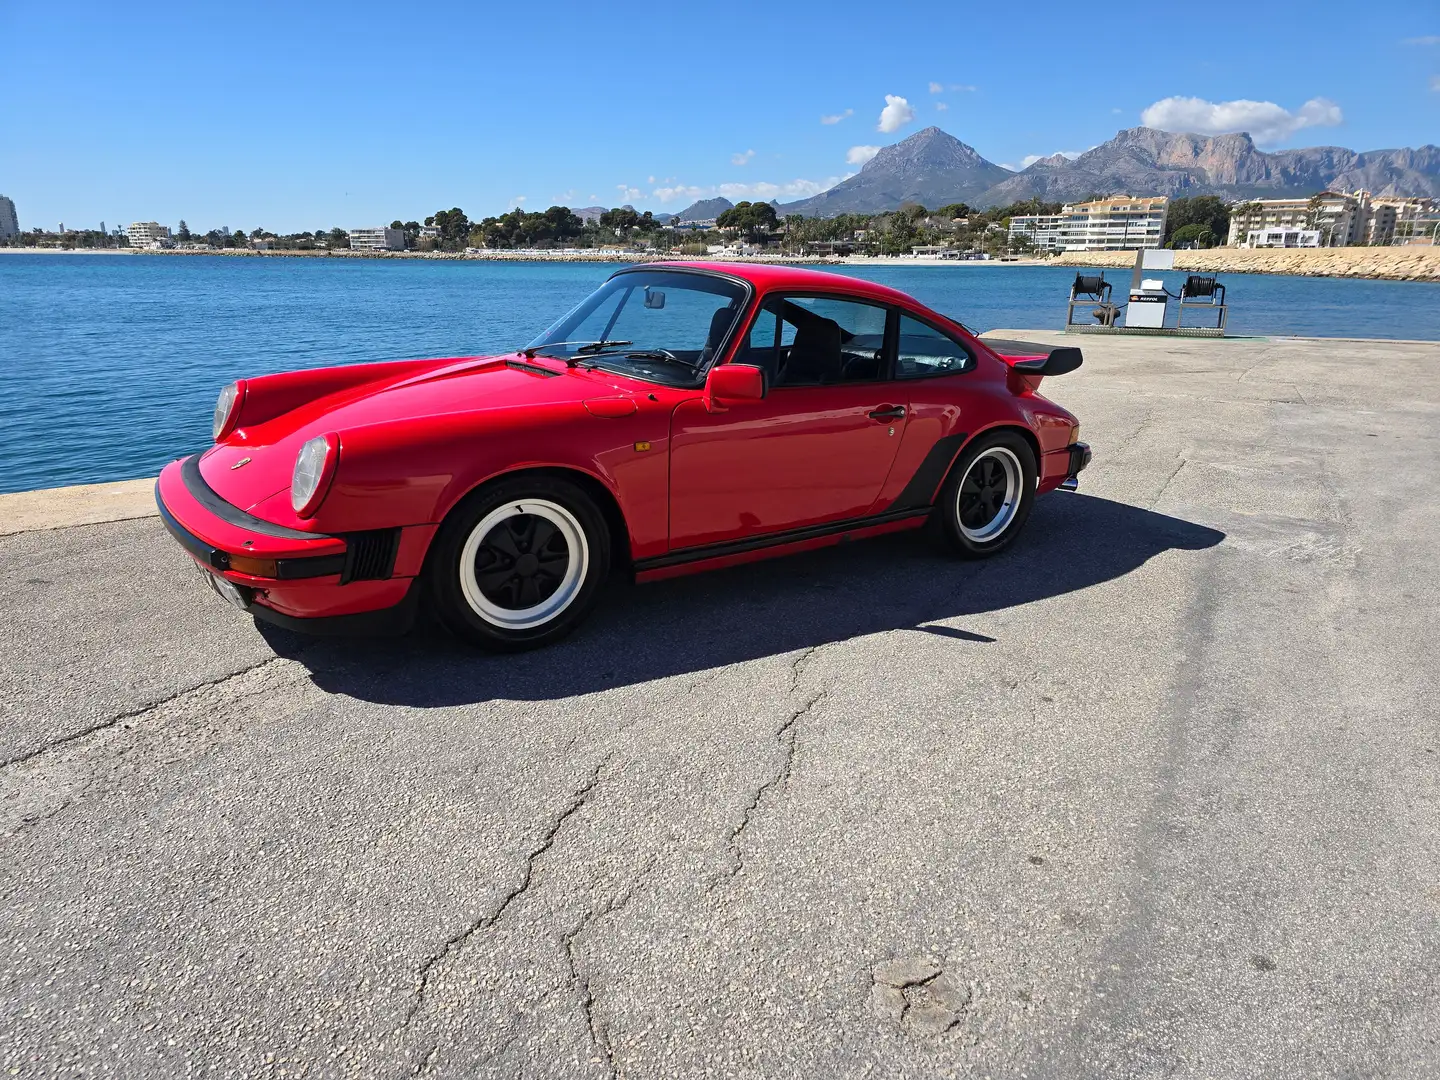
pixel 1148 298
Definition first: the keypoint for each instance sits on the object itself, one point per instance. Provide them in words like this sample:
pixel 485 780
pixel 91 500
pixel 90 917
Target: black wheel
pixel 988 495
pixel 520 563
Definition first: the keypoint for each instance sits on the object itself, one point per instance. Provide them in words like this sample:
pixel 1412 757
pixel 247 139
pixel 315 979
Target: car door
pixel 817 449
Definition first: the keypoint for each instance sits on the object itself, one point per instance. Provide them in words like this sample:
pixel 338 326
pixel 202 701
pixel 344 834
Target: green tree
pixel 183 233
pixel 1195 234
pixel 339 239
pixel 1207 210
pixel 454 228
pixel 397 224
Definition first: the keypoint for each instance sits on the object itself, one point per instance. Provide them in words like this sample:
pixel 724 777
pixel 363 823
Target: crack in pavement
pixel 599 1034
pixel 457 941
pixel 1165 486
pixel 131 714
pixel 785 736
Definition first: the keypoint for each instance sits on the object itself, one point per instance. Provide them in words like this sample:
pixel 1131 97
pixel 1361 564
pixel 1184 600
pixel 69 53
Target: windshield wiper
pixel 585 347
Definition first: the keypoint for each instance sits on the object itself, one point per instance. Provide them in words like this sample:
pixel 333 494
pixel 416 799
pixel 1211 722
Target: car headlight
pixel 314 469
pixel 227 409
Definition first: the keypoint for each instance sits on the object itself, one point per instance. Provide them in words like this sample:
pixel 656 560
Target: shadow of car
pixel 696 623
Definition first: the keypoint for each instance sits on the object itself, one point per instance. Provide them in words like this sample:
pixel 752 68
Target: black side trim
pixel 215 558
pixel 920 491
pixel 370 556
pixel 1079 457
pixel 386 622
pixel 790 536
pixel 205 495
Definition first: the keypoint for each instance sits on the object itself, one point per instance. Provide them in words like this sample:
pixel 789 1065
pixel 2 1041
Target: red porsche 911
pixel 683 417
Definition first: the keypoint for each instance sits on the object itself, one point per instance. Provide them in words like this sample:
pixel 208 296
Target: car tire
pixel 988 495
pixel 519 564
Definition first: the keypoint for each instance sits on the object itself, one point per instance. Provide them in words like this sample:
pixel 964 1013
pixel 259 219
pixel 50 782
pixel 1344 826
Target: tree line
pixel 1201 221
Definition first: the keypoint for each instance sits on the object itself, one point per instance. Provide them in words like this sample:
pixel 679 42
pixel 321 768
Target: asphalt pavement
pixel 1152 794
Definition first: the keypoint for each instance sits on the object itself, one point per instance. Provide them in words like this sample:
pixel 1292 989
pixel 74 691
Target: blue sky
pixel 307 115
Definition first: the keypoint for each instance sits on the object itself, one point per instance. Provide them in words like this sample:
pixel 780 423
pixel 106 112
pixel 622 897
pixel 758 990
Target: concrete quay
pixel 1157 792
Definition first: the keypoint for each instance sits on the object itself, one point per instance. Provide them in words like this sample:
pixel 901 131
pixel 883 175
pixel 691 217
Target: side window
pixel 923 351
pixel 825 340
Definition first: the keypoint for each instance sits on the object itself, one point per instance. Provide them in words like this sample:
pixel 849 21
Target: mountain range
pixel 934 168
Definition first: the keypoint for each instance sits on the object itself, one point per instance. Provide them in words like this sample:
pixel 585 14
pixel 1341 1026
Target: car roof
pixel 768 276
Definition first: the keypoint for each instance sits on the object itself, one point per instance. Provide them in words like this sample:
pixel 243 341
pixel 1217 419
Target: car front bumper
pixel 312 582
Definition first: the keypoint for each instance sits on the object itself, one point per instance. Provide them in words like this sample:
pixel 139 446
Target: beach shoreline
pixel 1361 263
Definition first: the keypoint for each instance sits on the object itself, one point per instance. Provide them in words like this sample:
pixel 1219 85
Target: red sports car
pixel 683 417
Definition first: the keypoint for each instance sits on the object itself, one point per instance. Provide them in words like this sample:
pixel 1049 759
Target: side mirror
pixel 654 298
pixel 731 384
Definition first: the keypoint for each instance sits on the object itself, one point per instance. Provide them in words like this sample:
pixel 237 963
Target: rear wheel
pixel 988 495
pixel 520 563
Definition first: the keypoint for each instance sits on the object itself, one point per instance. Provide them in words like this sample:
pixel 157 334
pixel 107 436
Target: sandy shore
pixel 1386 264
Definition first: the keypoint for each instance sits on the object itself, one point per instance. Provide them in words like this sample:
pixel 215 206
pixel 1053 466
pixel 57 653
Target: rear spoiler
pixel 1033 359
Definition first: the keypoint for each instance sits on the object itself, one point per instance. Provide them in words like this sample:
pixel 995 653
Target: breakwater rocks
pixel 1388 263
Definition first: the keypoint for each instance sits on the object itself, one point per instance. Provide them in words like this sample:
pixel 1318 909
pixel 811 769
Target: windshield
pixel 659 325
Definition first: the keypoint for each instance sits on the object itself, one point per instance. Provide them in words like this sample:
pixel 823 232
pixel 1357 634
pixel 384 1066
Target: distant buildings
pixel 1115 223
pixel 377 239
pixel 9 223
pixel 148 234
pixel 1340 220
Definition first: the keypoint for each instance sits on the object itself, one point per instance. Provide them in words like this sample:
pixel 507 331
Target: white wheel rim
pixel 489 603
pixel 993 483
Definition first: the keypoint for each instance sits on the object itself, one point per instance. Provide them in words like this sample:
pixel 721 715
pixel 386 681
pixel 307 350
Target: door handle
pixel 889 412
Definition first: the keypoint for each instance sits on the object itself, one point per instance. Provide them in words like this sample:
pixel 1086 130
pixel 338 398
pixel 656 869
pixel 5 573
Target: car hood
pixel 256 463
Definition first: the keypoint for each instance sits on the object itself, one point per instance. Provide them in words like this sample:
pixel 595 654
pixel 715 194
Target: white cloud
pixel 1117 112
pixel 651 180
pixel 629 194
pixel 1428 39
pixel 940 106
pixel 735 159
pixel 594 198
pixel 964 88
pixel 896 114
pixel 837 117
pixel 1264 120
pixel 517 201
pixel 677 192
pixel 858 155
pixel 1435 83
pixel 936 88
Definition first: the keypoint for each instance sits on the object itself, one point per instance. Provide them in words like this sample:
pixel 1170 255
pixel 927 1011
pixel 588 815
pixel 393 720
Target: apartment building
pixel 1396 219
pixel 1114 223
pixel 9 222
pixel 1339 218
pixel 377 239
pixel 148 234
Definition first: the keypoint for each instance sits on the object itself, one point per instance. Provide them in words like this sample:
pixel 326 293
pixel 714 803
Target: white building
pixel 9 222
pixel 1115 223
pixel 148 234
pixel 377 239
pixel 1395 219
pixel 1282 237
pixel 1340 219
pixel 1044 231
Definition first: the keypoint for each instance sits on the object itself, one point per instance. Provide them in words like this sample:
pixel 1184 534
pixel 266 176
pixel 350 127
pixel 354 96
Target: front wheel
pixel 988 495
pixel 520 563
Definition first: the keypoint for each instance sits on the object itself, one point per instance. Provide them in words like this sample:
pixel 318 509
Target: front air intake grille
pixel 370 556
